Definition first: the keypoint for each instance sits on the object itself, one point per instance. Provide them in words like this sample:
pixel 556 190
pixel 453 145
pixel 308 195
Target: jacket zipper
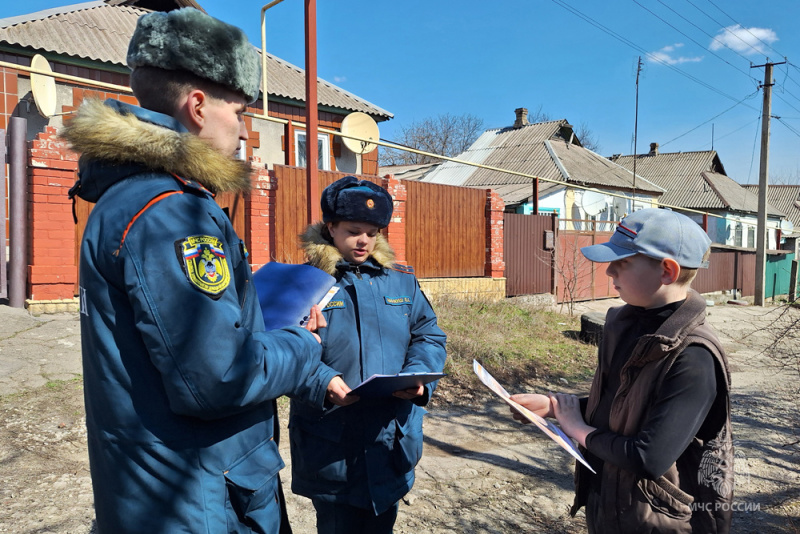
pixel 358 272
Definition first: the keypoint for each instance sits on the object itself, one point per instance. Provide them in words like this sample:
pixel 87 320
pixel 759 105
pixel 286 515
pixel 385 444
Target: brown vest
pixel 696 492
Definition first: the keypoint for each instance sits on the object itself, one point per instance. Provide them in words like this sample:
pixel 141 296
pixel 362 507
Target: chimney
pixel 653 149
pixel 522 117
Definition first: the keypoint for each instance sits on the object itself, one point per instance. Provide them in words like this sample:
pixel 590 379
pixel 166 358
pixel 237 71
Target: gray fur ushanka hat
pixel 188 39
pixel 351 199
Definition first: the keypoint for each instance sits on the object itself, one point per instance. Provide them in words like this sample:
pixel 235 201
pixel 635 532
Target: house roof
pixel 548 150
pixel 694 180
pixel 100 31
pixel 785 198
pixel 408 172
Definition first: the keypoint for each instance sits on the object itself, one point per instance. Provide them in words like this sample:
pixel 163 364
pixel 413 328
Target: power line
pixel 695 42
pixel 745 29
pixel 786 102
pixel 712 118
pixel 633 45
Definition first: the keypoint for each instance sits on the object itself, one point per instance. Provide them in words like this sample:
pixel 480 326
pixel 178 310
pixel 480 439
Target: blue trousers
pixel 345 519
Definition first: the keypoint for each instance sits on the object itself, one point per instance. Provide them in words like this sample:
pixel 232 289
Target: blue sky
pixel 574 60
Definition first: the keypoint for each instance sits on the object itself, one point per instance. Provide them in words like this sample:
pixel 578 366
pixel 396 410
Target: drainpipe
pixel 18 211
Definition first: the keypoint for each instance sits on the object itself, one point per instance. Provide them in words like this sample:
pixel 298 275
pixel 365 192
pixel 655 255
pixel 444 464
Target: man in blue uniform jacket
pixel 179 376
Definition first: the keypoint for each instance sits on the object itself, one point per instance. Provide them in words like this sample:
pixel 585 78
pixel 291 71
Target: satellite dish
pixel 786 226
pixel 43 87
pixel 360 125
pixel 593 203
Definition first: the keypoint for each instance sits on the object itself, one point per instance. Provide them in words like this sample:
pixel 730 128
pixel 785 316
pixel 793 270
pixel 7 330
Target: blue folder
pixel 287 292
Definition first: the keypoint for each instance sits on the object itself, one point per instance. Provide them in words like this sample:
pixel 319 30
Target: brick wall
pixel 396 232
pixel 495 266
pixel 51 229
pixel 8 95
pixel 260 215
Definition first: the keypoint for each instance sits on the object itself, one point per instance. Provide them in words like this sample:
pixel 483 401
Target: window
pixel 737 239
pixel 323 150
pixel 751 235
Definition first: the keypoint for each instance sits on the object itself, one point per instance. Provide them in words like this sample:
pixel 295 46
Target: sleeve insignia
pixel 203 261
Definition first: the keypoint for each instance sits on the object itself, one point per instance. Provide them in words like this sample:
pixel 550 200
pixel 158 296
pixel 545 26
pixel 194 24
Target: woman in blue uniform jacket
pixel 356 461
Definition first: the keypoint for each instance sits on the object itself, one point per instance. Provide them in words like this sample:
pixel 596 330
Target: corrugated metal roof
pixel 525 150
pixel 100 32
pixel 407 172
pixel 734 196
pixel 695 180
pixel 786 198
pixel 588 168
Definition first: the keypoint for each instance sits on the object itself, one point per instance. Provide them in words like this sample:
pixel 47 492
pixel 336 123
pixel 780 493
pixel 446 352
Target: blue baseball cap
pixel 657 233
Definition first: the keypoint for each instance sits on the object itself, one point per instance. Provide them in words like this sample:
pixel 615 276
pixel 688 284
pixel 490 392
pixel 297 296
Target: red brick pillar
pixel 396 232
pixel 260 215
pixel 495 266
pixel 52 272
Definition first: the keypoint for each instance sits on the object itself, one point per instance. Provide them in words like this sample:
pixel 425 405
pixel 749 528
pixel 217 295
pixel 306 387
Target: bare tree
pixel 587 137
pixel 447 135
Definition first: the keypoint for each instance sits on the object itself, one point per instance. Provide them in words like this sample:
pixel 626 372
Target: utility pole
pixel 763 181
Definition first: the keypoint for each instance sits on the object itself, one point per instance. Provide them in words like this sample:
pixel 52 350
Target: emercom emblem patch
pixel 203 261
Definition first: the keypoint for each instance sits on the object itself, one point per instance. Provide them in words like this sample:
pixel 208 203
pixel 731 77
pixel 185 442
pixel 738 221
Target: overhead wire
pixel 633 45
pixel 746 73
pixel 744 28
pixel 712 118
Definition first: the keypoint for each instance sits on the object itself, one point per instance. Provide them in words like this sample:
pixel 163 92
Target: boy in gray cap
pixel 179 376
pixel 656 426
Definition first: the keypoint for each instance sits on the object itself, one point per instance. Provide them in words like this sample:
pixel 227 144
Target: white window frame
pixel 323 144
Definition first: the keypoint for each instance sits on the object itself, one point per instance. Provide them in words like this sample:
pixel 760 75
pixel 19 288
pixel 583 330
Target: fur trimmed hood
pixel 119 134
pixel 322 254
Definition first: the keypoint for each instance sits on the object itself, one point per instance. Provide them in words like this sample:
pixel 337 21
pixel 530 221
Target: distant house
pixel 552 152
pixel 90 40
pixel 408 172
pixel 787 199
pixel 697 180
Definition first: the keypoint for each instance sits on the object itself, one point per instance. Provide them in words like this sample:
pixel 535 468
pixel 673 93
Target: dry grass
pixel 516 342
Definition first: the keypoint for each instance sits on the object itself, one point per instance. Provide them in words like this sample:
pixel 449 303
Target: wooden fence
pixel 445 230
pixel 291 208
pixel 444 226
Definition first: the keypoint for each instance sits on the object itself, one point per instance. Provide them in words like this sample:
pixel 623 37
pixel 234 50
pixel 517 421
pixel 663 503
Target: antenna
pixel 360 125
pixel 43 87
pixel 636 124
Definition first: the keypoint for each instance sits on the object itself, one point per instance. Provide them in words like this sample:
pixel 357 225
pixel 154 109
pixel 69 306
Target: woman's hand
pixel 337 393
pixel 410 393
pixel 315 321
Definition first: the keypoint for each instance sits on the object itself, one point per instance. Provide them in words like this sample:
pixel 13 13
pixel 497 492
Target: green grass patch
pixel 514 341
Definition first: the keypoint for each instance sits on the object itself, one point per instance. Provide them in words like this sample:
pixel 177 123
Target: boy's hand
pixel 538 404
pixel 568 412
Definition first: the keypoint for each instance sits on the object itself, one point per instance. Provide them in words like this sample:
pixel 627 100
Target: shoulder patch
pixel 405 269
pixel 334 305
pixel 203 261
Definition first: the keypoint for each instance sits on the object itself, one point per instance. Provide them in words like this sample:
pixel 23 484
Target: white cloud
pixel 339 79
pixel 744 40
pixel 668 55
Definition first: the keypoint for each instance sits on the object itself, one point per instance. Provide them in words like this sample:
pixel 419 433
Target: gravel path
pixel 481 472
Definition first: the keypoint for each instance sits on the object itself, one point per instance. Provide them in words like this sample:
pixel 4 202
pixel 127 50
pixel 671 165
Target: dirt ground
pixel 481 472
